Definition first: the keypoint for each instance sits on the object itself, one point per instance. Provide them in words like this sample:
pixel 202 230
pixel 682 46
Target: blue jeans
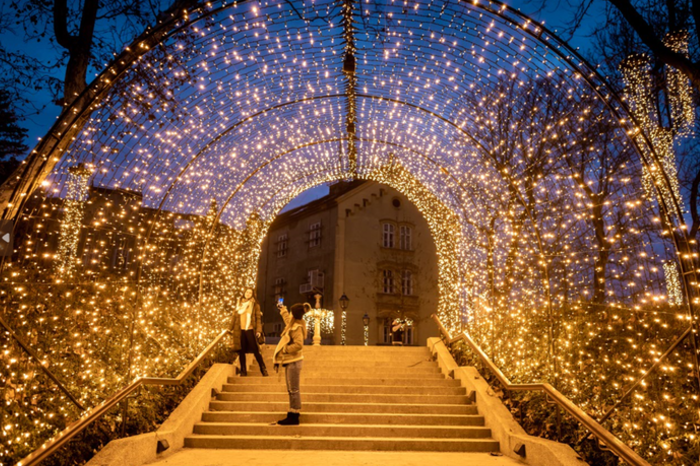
pixel 292 373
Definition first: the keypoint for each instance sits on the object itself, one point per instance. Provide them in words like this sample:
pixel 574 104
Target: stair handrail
pixel 51 446
pixel 605 436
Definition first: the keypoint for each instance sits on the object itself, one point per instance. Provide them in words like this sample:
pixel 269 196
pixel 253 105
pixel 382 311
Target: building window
pixel 387 330
pixel 282 245
pixel 405 238
pixel 279 288
pixel 388 235
pixel 315 281
pixel 407 283
pixel 315 234
pixel 408 336
pixel 388 277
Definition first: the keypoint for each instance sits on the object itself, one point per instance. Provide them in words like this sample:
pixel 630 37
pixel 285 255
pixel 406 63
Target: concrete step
pixel 413 361
pixel 372 366
pixel 352 372
pixel 212 457
pixel 398 351
pixel 282 442
pixel 349 418
pixel 276 380
pixel 353 398
pixel 367 365
pixel 347 398
pixel 359 358
pixel 309 406
pixel 339 430
pixel 307 388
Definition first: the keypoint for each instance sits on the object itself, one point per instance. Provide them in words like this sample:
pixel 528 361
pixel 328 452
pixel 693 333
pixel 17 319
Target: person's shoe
pixel 264 371
pixel 292 419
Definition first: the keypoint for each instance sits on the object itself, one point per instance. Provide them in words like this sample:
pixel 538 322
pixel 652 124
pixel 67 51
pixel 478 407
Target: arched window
pixel 388 235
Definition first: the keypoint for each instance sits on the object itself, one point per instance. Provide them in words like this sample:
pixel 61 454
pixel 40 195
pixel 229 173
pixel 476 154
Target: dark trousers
pixel 249 345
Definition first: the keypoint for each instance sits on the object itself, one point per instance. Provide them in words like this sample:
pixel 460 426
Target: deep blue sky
pixel 556 15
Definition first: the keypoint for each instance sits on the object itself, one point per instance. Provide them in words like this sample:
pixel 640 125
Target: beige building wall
pixel 361 259
pixel 292 268
pixel 353 259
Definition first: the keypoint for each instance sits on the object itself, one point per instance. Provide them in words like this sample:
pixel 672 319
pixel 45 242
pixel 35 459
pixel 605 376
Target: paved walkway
pixel 207 457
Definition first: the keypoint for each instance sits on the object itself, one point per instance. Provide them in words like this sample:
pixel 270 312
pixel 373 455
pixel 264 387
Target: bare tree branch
pixel 60 24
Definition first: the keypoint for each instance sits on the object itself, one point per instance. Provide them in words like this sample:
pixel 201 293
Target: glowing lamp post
pixel 365 320
pixel 318 315
pixel 344 301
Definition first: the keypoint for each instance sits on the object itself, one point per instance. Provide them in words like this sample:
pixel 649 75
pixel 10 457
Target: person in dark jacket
pixel 246 329
pixel 397 330
pixel 289 354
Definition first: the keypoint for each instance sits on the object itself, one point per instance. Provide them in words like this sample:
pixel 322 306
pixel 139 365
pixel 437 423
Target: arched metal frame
pixel 504 175
pixel 46 155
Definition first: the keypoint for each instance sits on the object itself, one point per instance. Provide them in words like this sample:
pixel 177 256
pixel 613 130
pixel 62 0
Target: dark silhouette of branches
pixel 82 38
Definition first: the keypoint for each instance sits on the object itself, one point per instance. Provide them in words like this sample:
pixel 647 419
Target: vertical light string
pixel 72 222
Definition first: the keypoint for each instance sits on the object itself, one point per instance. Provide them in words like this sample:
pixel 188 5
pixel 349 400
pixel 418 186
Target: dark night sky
pixel 556 15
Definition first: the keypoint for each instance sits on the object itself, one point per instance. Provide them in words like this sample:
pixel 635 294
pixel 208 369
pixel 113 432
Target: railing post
pixel 125 415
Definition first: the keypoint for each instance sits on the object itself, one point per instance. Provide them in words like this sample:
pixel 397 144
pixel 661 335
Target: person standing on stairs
pixel 247 326
pixel 289 354
pixel 397 330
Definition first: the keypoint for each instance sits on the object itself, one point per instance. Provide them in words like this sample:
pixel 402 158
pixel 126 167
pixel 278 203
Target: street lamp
pixel 344 301
pixel 365 320
pixel 319 314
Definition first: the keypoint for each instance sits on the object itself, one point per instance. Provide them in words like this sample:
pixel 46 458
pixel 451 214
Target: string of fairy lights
pixel 548 244
pixel 77 191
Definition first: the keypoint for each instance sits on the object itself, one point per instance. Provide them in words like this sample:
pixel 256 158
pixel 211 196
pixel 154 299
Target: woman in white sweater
pixel 247 326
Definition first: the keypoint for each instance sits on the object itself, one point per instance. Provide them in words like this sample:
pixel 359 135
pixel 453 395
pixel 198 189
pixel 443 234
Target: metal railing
pixel 604 436
pixel 97 412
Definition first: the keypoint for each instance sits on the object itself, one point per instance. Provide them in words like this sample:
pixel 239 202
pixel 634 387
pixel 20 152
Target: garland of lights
pixel 343 326
pixel 636 71
pixel 673 283
pixel 71 224
pixel 325 317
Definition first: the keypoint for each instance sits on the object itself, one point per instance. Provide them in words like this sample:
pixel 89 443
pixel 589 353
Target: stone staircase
pixel 353 398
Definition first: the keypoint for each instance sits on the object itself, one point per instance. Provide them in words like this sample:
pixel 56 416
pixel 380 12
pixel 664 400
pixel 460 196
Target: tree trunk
pixel 601 263
pixel 695 215
pixel 662 52
pixel 78 47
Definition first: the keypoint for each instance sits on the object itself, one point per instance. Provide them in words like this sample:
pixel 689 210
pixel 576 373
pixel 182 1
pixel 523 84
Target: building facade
pixel 364 240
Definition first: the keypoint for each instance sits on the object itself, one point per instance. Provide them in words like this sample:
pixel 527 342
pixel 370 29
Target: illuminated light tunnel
pixel 554 206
